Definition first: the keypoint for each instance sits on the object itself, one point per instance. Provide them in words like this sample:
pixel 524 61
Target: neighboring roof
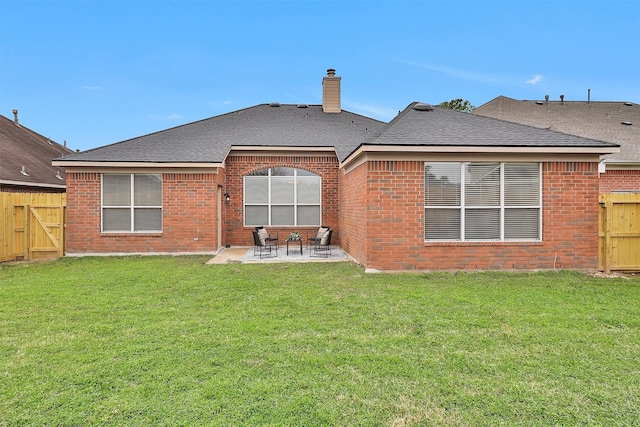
pixel 423 125
pixel 21 147
pixel 616 122
pixel 264 125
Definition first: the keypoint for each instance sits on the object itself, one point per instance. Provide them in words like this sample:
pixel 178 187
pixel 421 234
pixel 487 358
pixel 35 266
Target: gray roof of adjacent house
pixel 26 157
pixel 614 122
pixel 425 125
pixel 291 126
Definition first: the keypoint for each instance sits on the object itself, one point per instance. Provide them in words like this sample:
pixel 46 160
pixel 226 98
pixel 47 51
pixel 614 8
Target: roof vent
pixel 23 171
pixel 626 123
pixel 539 102
pixel 58 175
pixel 423 107
pixel 302 106
pixel 629 104
pixel 274 104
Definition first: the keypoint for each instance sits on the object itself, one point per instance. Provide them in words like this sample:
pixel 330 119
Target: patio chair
pixel 264 248
pixel 266 237
pixel 316 236
pixel 322 247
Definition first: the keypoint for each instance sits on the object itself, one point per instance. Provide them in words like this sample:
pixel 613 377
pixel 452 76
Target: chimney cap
pixel 331 72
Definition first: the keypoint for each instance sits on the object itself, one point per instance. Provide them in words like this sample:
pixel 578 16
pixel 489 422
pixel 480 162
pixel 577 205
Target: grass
pixel 169 341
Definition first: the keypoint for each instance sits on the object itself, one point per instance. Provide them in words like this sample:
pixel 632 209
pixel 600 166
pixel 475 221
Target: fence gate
pixel 619 232
pixel 31 225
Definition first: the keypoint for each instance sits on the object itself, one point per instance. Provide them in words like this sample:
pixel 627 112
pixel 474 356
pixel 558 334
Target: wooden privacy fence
pixel 31 225
pixel 619 232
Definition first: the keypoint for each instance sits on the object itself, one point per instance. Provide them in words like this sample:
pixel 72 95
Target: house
pixel 25 165
pixel 432 189
pixel 616 122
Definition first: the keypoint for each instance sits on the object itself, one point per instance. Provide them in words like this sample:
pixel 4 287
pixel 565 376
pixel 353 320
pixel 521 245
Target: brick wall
pixel 353 213
pixel 189 216
pixel 620 180
pixel 395 215
pixel 238 166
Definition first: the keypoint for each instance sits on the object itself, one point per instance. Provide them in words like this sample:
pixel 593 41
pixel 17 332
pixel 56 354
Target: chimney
pixel 15 116
pixel 331 92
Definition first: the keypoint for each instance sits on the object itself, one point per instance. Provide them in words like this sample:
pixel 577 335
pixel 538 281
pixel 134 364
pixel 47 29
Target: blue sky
pixel 98 72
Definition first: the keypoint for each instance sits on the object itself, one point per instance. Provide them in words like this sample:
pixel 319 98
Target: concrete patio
pixel 245 255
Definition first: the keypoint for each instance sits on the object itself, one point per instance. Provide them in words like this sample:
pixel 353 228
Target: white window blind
pixel 283 197
pixel 131 202
pixel 482 201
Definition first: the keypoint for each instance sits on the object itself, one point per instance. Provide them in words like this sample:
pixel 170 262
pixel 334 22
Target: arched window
pixel 282 197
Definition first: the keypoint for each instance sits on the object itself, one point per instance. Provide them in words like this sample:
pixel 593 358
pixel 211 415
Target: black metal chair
pixel 316 236
pixel 322 247
pixel 264 235
pixel 264 248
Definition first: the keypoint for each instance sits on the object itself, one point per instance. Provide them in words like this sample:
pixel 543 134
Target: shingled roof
pixel 264 125
pixel 26 157
pixel 614 122
pixel 294 126
pixel 423 125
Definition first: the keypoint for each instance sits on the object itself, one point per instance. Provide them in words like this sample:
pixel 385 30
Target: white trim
pixel 414 152
pixel 126 170
pixel 501 207
pixel 269 204
pixel 132 207
pixel 94 164
pixel 618 165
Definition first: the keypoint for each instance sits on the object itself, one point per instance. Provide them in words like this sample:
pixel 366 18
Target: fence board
pixel 619 232
pixel 31 225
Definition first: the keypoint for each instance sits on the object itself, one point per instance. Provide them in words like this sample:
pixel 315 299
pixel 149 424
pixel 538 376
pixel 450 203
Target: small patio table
pixel 294 241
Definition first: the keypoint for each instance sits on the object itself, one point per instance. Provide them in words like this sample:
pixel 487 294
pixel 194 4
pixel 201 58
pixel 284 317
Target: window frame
pixel 270 204
pixel 132 206
pixel 463 208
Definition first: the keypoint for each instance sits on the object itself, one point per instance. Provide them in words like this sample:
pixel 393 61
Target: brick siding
pixel 189 217
pixel 377 210
pixel 353 214
pixel 238 166
pixel 395 215
pixel 620 180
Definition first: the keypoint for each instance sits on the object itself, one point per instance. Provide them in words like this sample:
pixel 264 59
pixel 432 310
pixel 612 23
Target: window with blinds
pixel 282 197
pixel 482 201
pixel 131 203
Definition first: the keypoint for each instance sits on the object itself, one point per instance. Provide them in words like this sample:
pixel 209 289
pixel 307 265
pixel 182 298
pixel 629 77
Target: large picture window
pixel 482 201
pixel 282 197
pixel 131 203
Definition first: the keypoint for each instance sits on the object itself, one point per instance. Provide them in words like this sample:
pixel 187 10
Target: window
pixel 482 201
pixel 282 197
pixel 131 203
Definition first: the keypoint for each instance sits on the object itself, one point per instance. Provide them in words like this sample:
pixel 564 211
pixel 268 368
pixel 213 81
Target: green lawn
pixel 170 341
